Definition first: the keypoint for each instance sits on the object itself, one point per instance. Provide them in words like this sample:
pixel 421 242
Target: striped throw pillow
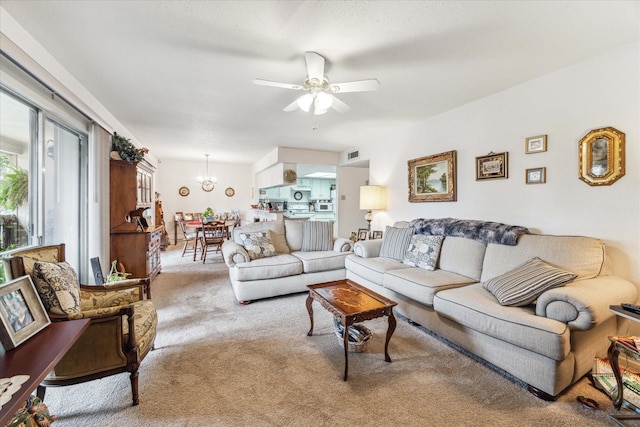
pixel 317 236
pixel 524 284
pixel 395 243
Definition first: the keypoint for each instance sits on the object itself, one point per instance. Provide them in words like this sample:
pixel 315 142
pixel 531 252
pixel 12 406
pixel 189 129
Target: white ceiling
pixel 177 74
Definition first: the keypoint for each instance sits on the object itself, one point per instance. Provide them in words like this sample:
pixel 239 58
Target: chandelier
pixel 207 182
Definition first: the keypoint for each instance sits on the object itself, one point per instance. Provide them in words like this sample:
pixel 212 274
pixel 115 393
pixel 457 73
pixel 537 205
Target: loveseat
pixel 546 339
pixel 273 258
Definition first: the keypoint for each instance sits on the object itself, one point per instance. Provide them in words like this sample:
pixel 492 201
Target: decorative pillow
pixel 317 236
pixel 258 244
pixel 524 284
pixel 395 243
pixel 58 287
pixel 423 251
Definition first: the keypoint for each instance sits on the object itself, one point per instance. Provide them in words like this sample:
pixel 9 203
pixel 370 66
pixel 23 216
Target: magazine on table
pixel 605 380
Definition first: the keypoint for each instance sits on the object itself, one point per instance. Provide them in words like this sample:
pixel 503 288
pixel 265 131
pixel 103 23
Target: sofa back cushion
pixel 583 256
pixel 462 256
pixel 293 233
pixel 277 233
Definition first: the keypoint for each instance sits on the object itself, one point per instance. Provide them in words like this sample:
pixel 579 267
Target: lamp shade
pixel 373 197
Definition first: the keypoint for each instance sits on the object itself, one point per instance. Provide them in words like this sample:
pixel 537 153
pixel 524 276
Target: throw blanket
pixel 482 231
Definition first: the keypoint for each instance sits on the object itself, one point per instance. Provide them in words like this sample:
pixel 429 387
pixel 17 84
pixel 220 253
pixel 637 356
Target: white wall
pixel 350 217
pixel 565 105
pixel 171 175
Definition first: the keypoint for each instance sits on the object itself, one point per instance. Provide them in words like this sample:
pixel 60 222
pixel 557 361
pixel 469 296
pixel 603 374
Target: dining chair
pixel 189 239
pixel 212 235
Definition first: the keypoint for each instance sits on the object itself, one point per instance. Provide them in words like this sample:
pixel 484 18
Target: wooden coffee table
pixel 351 303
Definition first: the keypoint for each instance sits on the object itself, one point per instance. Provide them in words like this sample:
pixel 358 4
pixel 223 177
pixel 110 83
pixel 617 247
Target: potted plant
pixel 123 149
pixel 208 214
pixel 14 187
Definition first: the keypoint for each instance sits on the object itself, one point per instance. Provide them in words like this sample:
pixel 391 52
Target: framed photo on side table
pixel 376 234
pixel 536 176
pixel 492 166
pixel 362 233
pixel 22 314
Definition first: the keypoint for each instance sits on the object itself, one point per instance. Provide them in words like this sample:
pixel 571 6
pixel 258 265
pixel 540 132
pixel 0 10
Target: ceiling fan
pixel 319 90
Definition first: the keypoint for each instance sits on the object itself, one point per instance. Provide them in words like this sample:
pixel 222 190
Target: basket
pixel 359 336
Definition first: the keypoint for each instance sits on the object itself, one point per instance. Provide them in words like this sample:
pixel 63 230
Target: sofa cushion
pixel 317 236
pixel 584 256
pixel 462 256
pixel 266 268
pixel 293 233
pixel 423 251
pixel 371 269
pixel 58 287
pixel 314 261
pixel 258 244
pixel 475 308
pixel 277 233
pixel 395 243
pixel 421 285
pixel 524 284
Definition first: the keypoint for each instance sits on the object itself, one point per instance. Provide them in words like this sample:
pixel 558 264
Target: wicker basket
pixel 353 346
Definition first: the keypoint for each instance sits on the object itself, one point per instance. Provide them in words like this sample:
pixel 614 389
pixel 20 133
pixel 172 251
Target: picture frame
pixel 362 233
pixel 377 234
pixel 433 178
pixel 535 144
pixel 22 314
pixel 492 166
pixel 536 175
pixel 354 236
pixel 602 156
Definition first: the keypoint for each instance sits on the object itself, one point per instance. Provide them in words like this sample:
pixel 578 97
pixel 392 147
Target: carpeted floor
pixel 217 363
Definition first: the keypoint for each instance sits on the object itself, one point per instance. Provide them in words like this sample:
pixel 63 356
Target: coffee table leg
pixel 310 310
pixel 390 329
pixel 345 335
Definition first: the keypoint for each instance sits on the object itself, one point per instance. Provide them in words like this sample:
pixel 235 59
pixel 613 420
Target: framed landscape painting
pixel 433 178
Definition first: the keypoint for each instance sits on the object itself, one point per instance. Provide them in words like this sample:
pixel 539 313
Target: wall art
pixel 433 178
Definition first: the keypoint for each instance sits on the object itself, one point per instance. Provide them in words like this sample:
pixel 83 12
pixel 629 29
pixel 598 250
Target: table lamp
pixel 372 197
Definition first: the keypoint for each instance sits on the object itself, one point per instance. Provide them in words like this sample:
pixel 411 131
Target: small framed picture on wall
pixel 536 176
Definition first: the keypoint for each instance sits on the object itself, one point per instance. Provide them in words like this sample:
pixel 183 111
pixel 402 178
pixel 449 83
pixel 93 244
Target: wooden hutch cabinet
pixel 138 251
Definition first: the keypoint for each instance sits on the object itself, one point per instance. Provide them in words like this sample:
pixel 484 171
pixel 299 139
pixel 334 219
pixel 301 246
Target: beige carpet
pixel 220 364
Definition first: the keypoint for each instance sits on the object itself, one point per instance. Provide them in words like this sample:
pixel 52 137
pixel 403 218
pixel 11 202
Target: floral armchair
pixel 123 324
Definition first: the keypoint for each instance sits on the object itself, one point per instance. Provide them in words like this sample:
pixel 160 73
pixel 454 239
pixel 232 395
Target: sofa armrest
pixel 234 253
pixel 584 303
pixel 342 245
pixel 367 248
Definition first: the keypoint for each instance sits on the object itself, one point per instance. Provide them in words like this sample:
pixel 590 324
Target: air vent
pixel 353 155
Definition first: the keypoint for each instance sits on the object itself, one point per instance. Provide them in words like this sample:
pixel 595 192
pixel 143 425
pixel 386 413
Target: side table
pixel 615 348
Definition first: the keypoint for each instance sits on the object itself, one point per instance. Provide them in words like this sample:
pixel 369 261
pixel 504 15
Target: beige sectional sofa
pixel 287 271
pixel 548 344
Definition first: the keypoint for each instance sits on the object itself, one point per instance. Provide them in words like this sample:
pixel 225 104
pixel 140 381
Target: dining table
pixel 228 224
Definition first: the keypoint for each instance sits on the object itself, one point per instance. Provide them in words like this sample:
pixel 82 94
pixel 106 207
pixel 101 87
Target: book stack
pixel 604 379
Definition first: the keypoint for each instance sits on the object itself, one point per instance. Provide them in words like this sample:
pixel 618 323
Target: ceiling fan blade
pixel 315 66
pixel 339 105
pixel 357 86
pixel 291 107
pixel 261 82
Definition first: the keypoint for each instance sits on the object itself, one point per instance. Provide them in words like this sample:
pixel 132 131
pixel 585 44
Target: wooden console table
pixel 37 357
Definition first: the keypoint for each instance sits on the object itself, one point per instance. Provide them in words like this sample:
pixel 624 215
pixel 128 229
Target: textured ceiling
pixel 177 74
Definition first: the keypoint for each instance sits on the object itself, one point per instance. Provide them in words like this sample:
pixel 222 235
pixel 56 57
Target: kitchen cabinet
pixel 279 193
pixel 320 189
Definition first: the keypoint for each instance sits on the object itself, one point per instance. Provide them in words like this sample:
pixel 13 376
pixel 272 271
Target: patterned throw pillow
pixel 423 251
pixel 317 236
pixel 58 287
pixel 258 244
pixel 395 243
pixel 524 284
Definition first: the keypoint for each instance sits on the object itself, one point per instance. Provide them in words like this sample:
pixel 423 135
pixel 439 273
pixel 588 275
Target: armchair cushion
pixel 258 244
pixel 317 236
pixel 58 287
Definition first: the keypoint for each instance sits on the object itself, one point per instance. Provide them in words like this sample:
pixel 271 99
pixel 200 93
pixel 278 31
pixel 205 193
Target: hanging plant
pixel 14 188
pixel 123 149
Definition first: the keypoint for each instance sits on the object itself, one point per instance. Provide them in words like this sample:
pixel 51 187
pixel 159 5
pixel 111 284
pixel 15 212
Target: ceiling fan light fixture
pixel 305 101
pixel 323 101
